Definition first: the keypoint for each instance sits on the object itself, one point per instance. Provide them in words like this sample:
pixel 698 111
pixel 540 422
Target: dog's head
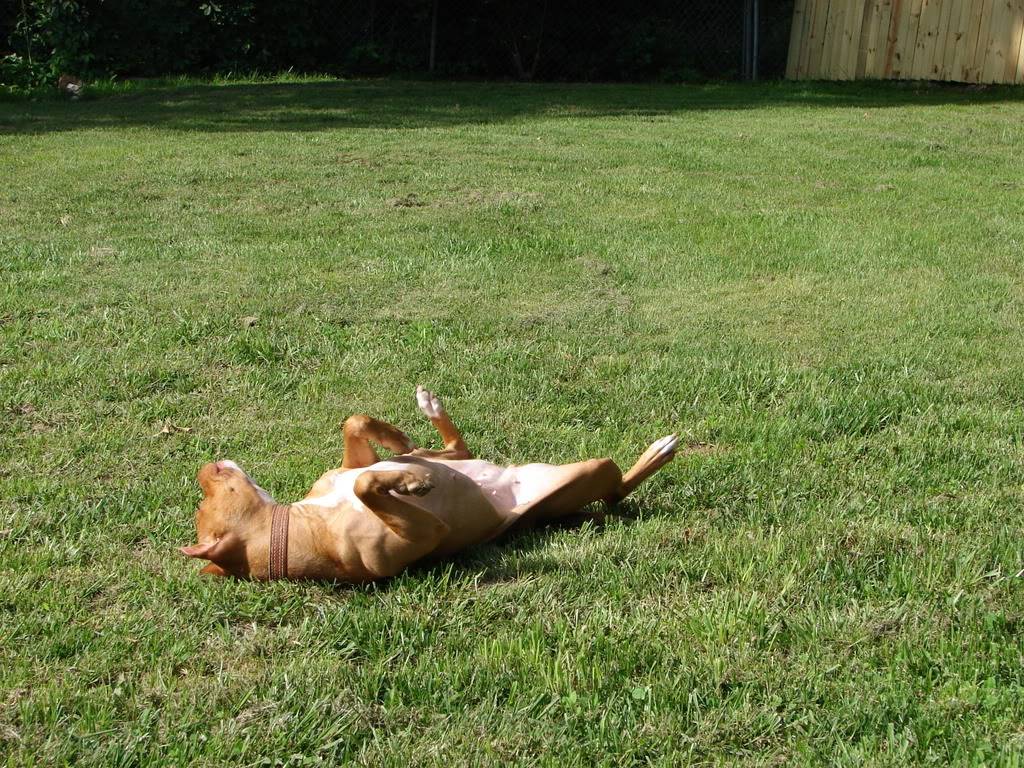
pixel 233 508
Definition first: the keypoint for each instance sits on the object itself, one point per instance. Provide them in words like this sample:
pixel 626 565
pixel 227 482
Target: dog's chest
pixel 338 490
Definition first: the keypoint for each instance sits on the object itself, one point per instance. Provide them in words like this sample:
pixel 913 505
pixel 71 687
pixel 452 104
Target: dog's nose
pixel 207 472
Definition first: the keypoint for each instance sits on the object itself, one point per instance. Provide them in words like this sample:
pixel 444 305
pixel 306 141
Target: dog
pixel 70 86
pixel 371 519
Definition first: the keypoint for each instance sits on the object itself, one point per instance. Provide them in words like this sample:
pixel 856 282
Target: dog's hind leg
pixel 657 455
pixel 360 429
pixel 454 445
pixel 562 491
pixel 571 487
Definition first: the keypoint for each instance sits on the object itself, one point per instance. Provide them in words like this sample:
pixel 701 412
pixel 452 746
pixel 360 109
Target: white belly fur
pixel 343 492
pixel 504 487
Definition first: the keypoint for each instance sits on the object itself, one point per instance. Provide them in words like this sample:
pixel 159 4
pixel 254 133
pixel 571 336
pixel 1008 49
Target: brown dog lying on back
pixel 371 519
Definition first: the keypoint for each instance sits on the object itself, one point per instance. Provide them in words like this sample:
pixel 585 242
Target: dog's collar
pixel 279 543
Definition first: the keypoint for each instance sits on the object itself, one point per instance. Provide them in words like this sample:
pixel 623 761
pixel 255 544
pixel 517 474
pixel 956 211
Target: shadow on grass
pixel 514 557
pixel 331 105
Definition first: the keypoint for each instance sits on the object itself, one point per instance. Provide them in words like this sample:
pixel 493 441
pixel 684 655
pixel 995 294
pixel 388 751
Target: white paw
pixel 428 403
pixel 666 446
pixel 418 487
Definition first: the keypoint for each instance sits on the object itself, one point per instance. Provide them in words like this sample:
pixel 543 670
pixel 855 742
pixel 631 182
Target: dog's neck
pixel 310 551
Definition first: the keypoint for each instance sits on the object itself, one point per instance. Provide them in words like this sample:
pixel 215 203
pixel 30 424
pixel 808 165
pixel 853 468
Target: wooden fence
pixel 972 41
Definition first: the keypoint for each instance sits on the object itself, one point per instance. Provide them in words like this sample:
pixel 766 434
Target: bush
pixel 19 74
pixel 563 40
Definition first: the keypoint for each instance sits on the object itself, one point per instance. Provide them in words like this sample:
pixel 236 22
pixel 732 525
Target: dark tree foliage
pixel 525 39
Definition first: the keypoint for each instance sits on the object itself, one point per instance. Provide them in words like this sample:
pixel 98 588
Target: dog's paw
pixel 419 486
pixel 396 440
pixel 660 452
pixel 428 403
pixel 666 446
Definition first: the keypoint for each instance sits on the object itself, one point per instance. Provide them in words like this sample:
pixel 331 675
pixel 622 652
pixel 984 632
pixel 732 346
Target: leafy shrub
pixel 567 40
pixel 367 59
pixel 19 74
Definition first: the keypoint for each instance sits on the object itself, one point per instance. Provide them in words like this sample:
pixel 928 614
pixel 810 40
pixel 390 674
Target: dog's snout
pixel 208 473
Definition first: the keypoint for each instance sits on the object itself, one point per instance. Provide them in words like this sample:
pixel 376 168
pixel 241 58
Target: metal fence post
pixel 755 53
pixel 745 65
pixel 433 38
pixel 751 38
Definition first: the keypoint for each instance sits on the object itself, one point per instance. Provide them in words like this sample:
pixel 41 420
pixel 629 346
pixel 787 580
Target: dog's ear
pixel 202 551
pixel 223 553
pixel 198 550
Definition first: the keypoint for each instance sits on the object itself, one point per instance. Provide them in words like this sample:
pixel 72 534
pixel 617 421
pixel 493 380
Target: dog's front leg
pixel 360 429
pixel 454 446
pixel 418 532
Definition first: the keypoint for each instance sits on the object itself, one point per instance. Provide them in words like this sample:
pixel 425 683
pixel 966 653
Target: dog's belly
pixel 504 487
pixel 475 498
pixel 498 484
pixel 509 487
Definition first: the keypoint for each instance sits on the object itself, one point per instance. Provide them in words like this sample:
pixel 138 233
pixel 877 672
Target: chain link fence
pixel 549 40
pixel 567 40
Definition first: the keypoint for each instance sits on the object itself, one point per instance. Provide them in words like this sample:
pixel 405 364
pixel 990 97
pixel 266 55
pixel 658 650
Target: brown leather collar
pixel 279 543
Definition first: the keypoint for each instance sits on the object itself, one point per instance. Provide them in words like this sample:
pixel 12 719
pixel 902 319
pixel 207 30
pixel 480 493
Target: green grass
pixel 822 287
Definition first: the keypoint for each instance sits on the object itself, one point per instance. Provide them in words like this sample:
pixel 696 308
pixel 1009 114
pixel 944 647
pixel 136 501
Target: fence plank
pixel 868 36
pixel 909 41
pixel 948 8
pixel 959 40
pixel 826 35
pixel 984 41
pixel 813 10
pixel 832 41
pixel 815 68
pixel 969 71
pixel 955 56
pixel 842 47
pixel 810 8
pixel 901 40
pixel 858 10
pixel 1019 77
pixel 889 62
pixel 796 40
pixel 898 31
pixel 884 32
pixel 995 57
pixel 1014 22
pixel 842 50
pixel 924 47
pixel 1002 34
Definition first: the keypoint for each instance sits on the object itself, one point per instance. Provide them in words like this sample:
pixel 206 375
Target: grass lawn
pixel 820 287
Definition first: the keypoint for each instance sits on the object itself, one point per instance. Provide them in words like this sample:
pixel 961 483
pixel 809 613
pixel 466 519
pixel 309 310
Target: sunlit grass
pixel 819 287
